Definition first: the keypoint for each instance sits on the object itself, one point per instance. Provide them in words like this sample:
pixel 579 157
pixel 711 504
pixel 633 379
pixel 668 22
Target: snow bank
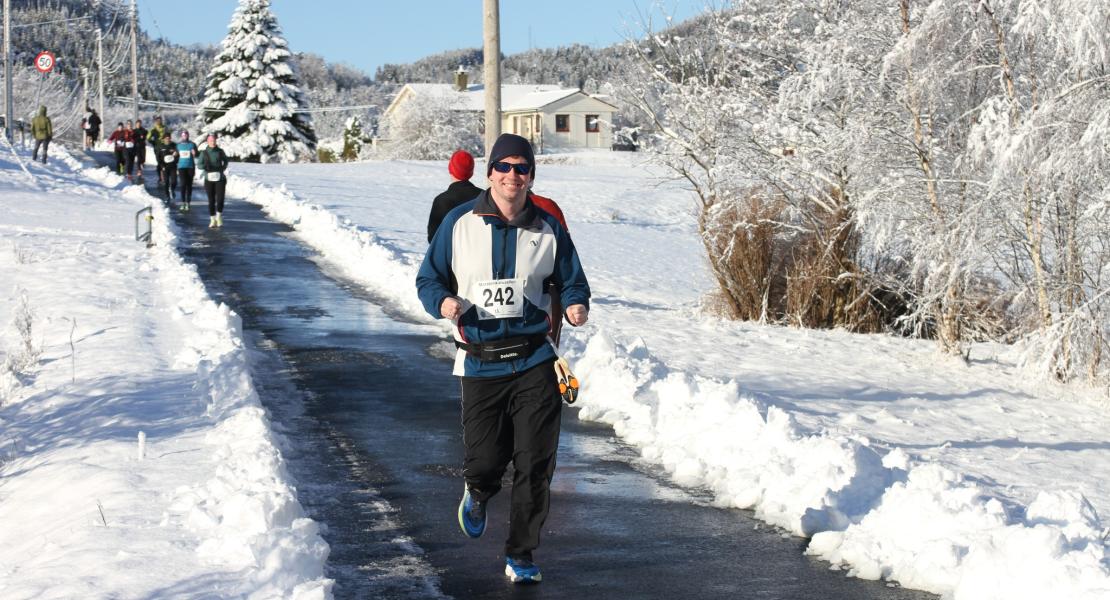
pixel 707 434
pixel 918 524
pixel 235 505
pixel 877 514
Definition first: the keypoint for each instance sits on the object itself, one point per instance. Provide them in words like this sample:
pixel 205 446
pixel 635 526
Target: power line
pixel 182 106
pixel 52 22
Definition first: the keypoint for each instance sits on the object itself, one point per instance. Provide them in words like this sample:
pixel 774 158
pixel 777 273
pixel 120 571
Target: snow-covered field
pixel 135 458
pixel 960 478
pixel 956 477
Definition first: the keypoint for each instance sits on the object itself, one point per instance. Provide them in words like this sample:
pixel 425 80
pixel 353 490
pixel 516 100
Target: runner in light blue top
pixel 186 168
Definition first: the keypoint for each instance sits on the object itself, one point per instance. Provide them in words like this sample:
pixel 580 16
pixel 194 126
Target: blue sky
pixel 368 33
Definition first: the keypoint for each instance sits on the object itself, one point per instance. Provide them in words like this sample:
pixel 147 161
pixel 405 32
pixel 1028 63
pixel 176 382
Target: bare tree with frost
pixel 950 155
pixel 429 128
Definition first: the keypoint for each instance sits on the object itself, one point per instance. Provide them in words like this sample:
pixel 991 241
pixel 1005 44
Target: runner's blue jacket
pixel 475 244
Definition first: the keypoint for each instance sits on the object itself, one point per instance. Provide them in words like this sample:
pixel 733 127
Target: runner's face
pixel 511 185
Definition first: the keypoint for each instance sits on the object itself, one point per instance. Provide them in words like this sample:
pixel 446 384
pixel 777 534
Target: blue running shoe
pixel 522 570
pixel 472 515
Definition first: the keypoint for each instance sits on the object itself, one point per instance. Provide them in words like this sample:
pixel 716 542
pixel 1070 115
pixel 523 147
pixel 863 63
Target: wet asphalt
pixel 372 432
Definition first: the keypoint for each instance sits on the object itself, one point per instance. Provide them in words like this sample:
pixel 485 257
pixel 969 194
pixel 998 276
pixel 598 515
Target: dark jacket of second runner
pixel 457 193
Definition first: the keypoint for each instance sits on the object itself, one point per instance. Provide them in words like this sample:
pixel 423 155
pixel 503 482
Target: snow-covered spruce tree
pixel 353 138
pixel 253 100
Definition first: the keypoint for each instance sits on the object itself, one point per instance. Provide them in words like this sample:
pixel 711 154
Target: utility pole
pixel 491 27
pixel 9 103
pixel 100 67
pixel 134 61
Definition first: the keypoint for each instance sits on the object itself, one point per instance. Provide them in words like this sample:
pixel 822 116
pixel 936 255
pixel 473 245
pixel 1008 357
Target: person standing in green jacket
pixel 43 131
pixel 213 162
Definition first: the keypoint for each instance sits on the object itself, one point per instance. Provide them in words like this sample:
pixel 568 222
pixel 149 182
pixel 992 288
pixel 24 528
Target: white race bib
pixel 168 158
pixel 213 176
pixel 129 144
pixel 499 298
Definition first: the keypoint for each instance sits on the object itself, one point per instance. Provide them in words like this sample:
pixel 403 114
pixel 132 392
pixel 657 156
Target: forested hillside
pixel 171 72
pixel 68 29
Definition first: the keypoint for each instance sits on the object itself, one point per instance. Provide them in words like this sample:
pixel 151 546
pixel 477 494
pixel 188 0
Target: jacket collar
pixel 526 219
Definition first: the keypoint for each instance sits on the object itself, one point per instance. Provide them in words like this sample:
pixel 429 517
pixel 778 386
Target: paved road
pixel 373 423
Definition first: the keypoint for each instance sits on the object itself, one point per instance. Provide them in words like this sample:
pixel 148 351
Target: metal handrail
pixel 144 236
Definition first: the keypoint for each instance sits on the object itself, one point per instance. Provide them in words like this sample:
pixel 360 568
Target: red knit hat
pixel 461 166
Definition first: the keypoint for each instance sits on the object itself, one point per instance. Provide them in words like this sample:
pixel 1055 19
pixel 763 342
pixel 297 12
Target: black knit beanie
pixel 509 144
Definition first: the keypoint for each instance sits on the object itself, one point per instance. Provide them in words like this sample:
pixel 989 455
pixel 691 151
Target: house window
pixel 592 124
pixel 562 123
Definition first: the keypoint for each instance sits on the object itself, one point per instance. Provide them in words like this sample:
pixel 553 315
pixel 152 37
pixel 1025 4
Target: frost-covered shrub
pixel 430 129
pixel 19 362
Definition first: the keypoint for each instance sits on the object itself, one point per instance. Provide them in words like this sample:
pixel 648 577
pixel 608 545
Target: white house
pixel 551 117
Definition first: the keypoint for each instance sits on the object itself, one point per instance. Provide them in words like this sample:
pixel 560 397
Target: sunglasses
pixel 504 167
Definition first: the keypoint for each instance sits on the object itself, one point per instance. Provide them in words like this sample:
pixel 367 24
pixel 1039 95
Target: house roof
pixel 513 97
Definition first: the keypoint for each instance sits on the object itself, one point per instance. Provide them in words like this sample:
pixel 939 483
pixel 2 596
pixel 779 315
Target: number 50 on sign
pixel 44 61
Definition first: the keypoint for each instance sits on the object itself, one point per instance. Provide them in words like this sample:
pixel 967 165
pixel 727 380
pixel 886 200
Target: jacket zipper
pixel 501 275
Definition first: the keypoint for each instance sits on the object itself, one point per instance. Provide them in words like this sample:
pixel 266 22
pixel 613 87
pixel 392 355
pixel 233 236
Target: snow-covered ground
pixel 135 458
pixel 957 477
pixel 960 478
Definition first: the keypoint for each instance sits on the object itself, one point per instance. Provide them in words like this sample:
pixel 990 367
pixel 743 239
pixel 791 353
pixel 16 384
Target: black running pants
pixel 186 176
pixel 215 192
pixel 515 419
pixel 169 181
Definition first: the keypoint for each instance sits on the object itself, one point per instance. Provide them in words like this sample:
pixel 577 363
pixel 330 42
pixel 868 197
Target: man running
pixel 92 131
pixel 129 147
pixel 167 156
pixel 214 162
pixel 486 271
pixel 139 134
pixel 118 140
pixel 186 168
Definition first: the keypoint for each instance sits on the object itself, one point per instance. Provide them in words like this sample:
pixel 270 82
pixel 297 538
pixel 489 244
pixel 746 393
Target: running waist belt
pixel 505 350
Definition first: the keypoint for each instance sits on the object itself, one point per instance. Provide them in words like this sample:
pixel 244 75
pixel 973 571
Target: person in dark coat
pixel 213 161
pixel 92 132
pixel 167 156
pixel 461 168
pixel 139 134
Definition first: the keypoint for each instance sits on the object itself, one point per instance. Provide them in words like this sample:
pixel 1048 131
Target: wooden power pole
pixel 134 61
pixel 491 27
pixel 9 103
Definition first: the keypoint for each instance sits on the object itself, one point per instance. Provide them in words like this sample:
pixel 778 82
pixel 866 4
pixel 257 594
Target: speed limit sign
pixel 44 62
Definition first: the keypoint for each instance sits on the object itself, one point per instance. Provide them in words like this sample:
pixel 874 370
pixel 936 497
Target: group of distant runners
pixel 176 162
